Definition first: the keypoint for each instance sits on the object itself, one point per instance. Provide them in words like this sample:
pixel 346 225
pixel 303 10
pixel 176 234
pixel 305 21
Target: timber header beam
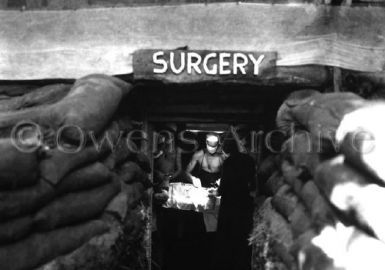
pixel 72 43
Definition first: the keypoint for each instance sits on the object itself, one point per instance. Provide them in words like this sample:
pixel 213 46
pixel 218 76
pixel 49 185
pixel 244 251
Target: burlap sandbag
pixel 89 105
pixel 135 192
pixel 87 177
pixel 41 96
pixel 268 222
pixel 290 173
pixel 17 169
pixel 309 193
pixel 143 161
pixel 41 248
pixel 14 90
pixel 15 229
pixel 285 119
pixel 285 203
pixel 301 151
pixel 58 163
pixel 320 210
pixel 299 220
pixel 351 192
pixel 127 199
pixel 75 207
pixel 131 172
pixel 267 167
pixel 25 201
pixel 274 183
pixel 283 253
pixel 124 150
pixel 297 187
pixel 321 114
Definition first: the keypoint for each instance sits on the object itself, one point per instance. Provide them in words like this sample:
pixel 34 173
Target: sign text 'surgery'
pixel 221 63
pixel 189 66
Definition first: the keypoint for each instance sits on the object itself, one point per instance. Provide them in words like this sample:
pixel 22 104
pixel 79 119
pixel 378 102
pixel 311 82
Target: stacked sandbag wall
pixel 324 191
pixel 72 183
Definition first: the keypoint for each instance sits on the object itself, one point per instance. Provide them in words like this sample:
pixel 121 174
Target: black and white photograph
pixel 192 135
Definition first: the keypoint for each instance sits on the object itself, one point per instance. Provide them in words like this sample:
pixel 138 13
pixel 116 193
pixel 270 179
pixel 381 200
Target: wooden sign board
pixel 188 66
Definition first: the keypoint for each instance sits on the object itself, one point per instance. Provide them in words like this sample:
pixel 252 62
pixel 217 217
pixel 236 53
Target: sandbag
pixel 127 199
pixel 283 254
pixel 17 169
pixel 89 105
pixel 87 177
pixel 309 193
pixel 299 220
pixel 41 248
pixel 75 207
pixel 283 190
pixel 267 167
pixel 363 138
pixel 14 90
pixel 15 229
pixel 285 204
pixel 124 150
pixel 322 114
pixel 130 172
pixel 118 206
pixel 351 192
pixel 41 96
pixel 285 120
pixel 109 138
pixel 269 221
pixel 335 172
pixel 58 163
pixel 320 210
pixel 25 201
pixel 135 192
pixel 144 162
pixel 298 185
pixel 300 150
pixel 289 172
pixel 274 183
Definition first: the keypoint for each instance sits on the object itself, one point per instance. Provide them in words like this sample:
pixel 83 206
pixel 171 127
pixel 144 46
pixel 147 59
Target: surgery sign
pixel 185 66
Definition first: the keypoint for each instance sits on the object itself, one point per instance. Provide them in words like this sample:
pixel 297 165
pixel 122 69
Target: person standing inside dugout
pixel 167 168
pixel 205 169
pixel 209 163
pixel 236 210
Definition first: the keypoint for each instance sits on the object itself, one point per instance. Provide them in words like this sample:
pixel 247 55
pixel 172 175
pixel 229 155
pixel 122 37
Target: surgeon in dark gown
pixel 236 209
pixel 205 169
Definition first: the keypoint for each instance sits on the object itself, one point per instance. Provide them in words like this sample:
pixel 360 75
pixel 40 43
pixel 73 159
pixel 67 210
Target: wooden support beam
pixel 205 119
pixel 203 109
pixel 337 80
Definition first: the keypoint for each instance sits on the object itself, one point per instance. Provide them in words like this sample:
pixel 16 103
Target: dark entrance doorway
pixel 199 108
